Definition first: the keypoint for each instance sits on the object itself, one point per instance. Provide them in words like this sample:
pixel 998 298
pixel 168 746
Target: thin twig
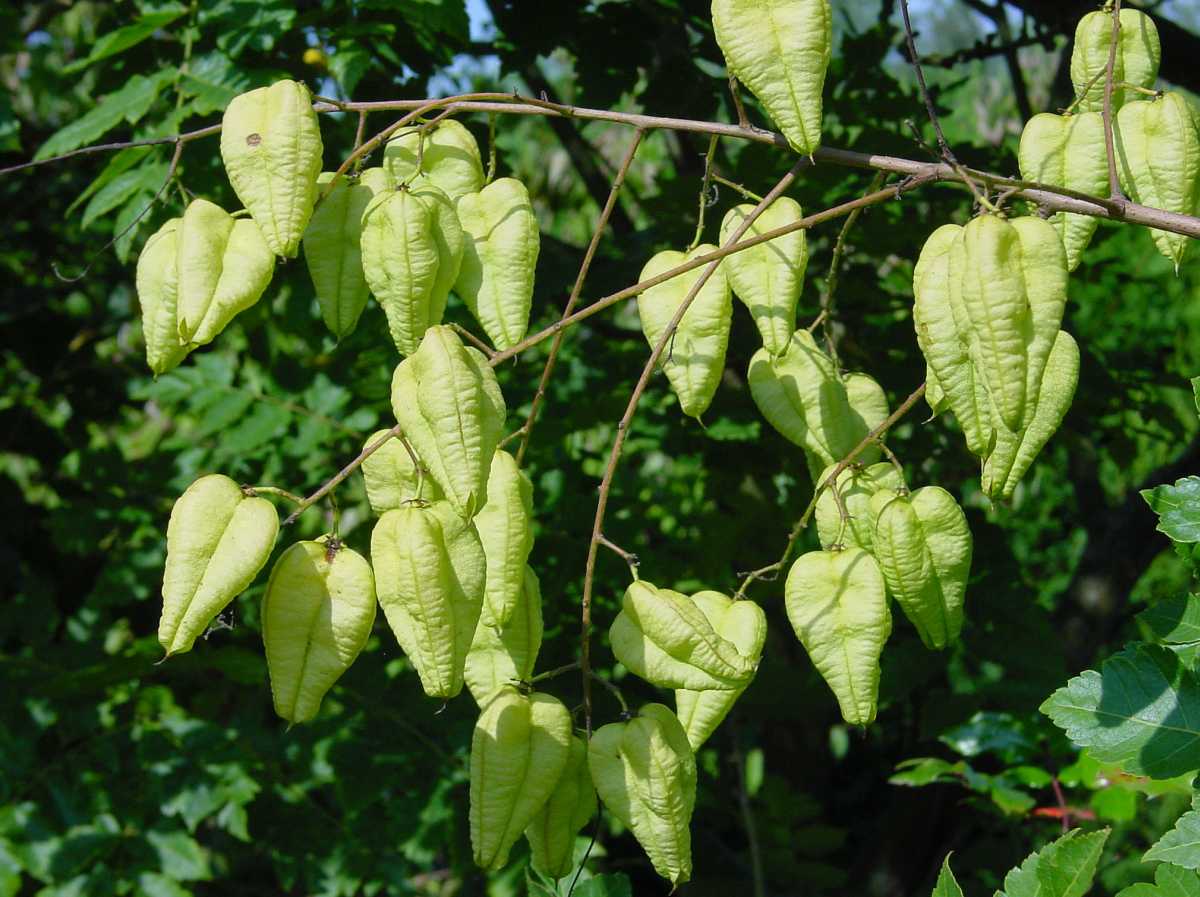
pixel 733 185
pixel 557 671
pixel 273 490
pixel 337 478
pixel 704 191
pixel 835 264
pixel 736 93
pixel 630 559
pixel 474 340
pixel 1114 183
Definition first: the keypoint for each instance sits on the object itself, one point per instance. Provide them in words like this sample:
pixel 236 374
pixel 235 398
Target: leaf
pixel 1064 868
pixel 947 884
pixel 129 36
pixel 212 80
pixel 118 164
pixel 1141 711
pixel 919 771
pixel 119 189
pixel 1174 621
pixel 129 104
pixel 614 885
pixel 1181 845
pixel 1178 508
pixel 1169 881
pixel 180 856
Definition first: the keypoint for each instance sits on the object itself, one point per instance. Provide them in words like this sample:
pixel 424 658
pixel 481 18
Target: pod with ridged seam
pixel 663 637
pixel 505 524
pixel 449 405
pixel 271 147
pixel 780 50
pixel 158 293
pixel 502 655
pixel 224 266
pixel 768 278
pixel 695 359
pixel 744 625
pixel 499 259
pixel 645 774
pixel 317 615
pixel 571 805
pixel 855 484
pixel 448 236
pixel 837 604
pixel 923 546
pixel 429 579
pixel 519 750
pixel 390 477
pixel 448 154
pixel 218 539
pixel 1136 62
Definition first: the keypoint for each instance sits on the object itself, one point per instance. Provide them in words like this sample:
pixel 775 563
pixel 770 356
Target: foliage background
pixel 121 777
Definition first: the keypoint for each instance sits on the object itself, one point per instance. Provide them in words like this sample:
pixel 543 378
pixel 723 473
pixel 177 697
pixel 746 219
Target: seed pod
pixel 943 330
pixel 744 625
pixel 447 234
pixel 1136 62
pixel 317 615
pixel 502 655
pixel 224 266
pixel 500 258
pixel 1014 455
pixel 856 485
pixel 430 586
pixel 868 409
pixel 663 637
pixel 519 749
pixel 217 540
pixel 400 258
pixel 645 773
pixel 1158 159
pixel 333 251
pixel 1067 151
pixel 768 277
pixel 505 528
pixel 837 603
pixel 158 293
pixel 271 146
pixel 935 395
pixel 390 477
pixel 449 405
pixel 449 157
pixel 923 546
pixel 571 805
pixel 695 358
pixel 780 50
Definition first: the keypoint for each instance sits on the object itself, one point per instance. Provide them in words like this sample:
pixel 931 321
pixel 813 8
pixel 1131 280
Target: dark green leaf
pixel 128 104
pixel 1178 508
pixel 1169 881
pixel 147 178
pixel 1174 621
pixel 130 35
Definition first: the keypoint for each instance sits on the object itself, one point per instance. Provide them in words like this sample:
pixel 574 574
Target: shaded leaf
pixel 128 36
pixel 1181 845
pixel 1169 881
pixel 128 104
pixel 1178 508
pixel 1174 621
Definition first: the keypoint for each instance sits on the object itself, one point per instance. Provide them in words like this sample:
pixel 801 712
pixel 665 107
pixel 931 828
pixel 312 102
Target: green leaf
pixel 947 884
pixel 1141 711
pixel 124 220
pixel 129 104
pixel 617 885
pixel 129 36
pixel 1174 621
pixel 180 856
pixel 1064 868
pixel 119 189
pixel 118 164
pixel 212 80
pixel 919 771
pixel 155 884
pixel 1178 508
pixel 1181 845
pixel 1169 881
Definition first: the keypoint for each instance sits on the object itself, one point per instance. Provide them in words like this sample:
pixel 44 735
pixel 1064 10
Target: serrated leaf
pixel 1141 711
pixel 1181 845
pixel 1064 868
pixel 119 189
pixel 1177 507
pixel 129 104
pixel 118 164
pixel 128 36
pixel 947 884
pixel 1169 881
pixel 1174 621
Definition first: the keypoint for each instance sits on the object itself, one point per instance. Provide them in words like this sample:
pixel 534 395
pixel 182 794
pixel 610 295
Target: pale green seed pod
pixel 224 266
pixel 158 293
pixel 924 546
pixel 449 405
pixel 1015 454
pixel 1136 62
pixel 935 394
pixel 400 258
pixel 505 524
pixel 447 234
pixel 333 251
pixel 271 146
pixel 1067 151
pixel 1158 159
pixel 431 591
pixel 449 157
pixel 744 625
pixel 780 50
pixel 519 749
pixel 218 539
pixel 663 637
pixel 391 478
pixel 317 615
pixel 502 655
pixel 768 278
pixel 1044 265
pixel 837 603
pixel 645 774
pixel 856 485
pixel 868 409
pixel 571 805
pixel 500 259
pixel 695 358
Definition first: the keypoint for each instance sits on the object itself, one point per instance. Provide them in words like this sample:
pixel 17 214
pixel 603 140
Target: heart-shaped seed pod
pixel 855 485
pixel 158 294
pixel 391 478
pixel 571 806
pixel 449 157
pixel 1136 63
pixel 506 654
pixel 505 524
